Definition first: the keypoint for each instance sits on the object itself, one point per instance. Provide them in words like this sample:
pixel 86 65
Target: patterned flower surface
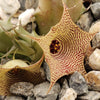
pixel 64 47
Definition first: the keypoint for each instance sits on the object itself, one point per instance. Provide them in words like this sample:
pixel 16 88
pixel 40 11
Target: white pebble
pixel 93 80
pixel 70 94
pixel 26 17
pixel 8 8
pixel 94 59
pixel 95 28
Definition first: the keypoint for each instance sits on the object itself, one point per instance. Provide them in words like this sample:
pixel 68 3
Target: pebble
pixel 22 88
pixel 2 97
pixel 91 95
pixel 64 88
pixel 85 21
pixel 14 98
pixel 48 97
pixel 31 4
pixel 4 60
pixel 78 83
pixel 93 80
pixel 96 41
pixel 40 91
pixel 30 27
pixel 22 4
pixel 95 8
pixel 26 17
pixel 70 94
pixel 3 16
pixel 94 59
pixel 95 27
pixel 14 21
pixel 47 71
pixel 42 73
pixel 30 98
pixel 95 0
pixel 7 9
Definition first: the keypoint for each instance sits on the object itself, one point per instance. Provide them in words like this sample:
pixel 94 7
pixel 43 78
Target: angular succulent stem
pixel 9 52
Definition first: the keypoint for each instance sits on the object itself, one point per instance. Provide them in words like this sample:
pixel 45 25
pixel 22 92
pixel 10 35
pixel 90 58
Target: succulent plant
pixel 16 70
pixel 76 8
pixel 5 41
pixel 49 13
pixel 64 47
pixel 19 44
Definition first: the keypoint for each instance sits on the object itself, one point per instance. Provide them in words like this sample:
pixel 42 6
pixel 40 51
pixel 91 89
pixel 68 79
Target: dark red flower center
pixel 55 46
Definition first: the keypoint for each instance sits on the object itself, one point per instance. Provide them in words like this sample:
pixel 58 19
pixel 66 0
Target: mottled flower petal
pixel 72 47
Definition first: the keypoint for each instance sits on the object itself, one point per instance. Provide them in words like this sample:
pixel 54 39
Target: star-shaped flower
pixel 64 47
